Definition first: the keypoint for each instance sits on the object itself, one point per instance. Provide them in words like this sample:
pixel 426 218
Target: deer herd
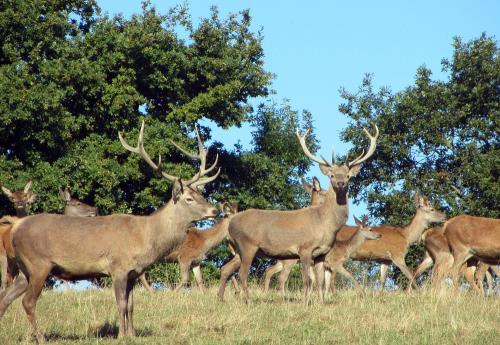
pixel 80 244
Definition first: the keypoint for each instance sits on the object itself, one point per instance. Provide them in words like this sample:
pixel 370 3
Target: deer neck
pixel 413 231
pixel 168 228
pixel 21 212
pixel 354 243
pixel 218 232
pixel 332 211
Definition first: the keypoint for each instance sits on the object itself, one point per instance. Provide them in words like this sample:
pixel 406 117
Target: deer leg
pixel 328 279
pixel 468 273
pixel 184 266
pixel 270 271
pixel 15 290
pixel 4 263
pixel 227 270
pixel 383 275
pixel 423 266
pixel 442 266
pixel 247 255
pixel 198 276
pixel 145 283
pixel 348 275
pixel 459 259
pixel 120 285
pixel 130 307
pixel 36 281
pixel 236 285
pixel 481 273
pixel 284 274
pixel 401 264
pixel 306 261
pixel 320 279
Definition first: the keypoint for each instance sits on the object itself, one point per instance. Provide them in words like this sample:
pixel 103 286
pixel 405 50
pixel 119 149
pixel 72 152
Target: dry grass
pixel 350 317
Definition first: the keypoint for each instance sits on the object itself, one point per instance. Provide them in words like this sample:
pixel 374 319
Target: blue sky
pixel 316 47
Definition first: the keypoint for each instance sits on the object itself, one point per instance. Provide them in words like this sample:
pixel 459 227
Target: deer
pixel 437 252
pixel 306 233
pixel 390 248
pixel 197 244
pixel 470 236
pixel 21 200
pixel 343 250
pixel 121 246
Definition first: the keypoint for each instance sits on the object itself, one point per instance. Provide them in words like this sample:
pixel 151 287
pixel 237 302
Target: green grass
pixel 349 317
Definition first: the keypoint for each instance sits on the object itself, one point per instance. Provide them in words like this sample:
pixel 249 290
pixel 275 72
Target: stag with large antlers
pixel 391 248
pixel 305 234
pixel 121 246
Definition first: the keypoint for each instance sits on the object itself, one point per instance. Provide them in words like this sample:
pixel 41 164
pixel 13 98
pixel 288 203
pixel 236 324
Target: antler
pixel 302 139
pixel 373 144
pixel 142 152
pixel 202 156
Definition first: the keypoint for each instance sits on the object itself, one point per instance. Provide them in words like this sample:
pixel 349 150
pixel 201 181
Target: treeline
pixel 71 78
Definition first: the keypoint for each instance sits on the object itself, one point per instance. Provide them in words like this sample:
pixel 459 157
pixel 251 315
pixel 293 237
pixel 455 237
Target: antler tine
pixel 302 140
pixel 371 149
pixel 205 180
pixel 144 155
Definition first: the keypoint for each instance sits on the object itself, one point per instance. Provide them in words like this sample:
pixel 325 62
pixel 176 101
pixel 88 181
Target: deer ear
pixel 308 188
pixel 316 184
pixel 177 190
pixel 354 170
pixel 325 170
pixel 365 219
pixel 32 198
pixel 357 221
pixel 416 199
pixel 28 186
pixel 7 192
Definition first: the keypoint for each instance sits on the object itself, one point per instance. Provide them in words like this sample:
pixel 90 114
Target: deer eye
pixel 189 200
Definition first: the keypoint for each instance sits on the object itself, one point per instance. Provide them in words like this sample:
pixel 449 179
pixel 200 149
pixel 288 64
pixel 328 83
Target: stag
pixel 343 250
pixel 121 246
pixel 306 234
pixel 470 236
pixel 21 200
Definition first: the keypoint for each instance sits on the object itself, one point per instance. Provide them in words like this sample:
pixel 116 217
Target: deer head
pixel 74 207
pixel 22 199
pixel 365 230
pixel 340 174
pixel 185 193
pixel 427 211
pixel 314 189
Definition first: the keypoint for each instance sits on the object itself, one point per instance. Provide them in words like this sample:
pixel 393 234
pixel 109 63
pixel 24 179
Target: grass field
pixel 349 317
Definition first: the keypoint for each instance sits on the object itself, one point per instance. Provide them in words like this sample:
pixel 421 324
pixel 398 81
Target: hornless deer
pixel 469 237
pixel 391 248
pixel 21 200
pixel 197 244
pixel 305 234
pixel 121 245
pixel 343 250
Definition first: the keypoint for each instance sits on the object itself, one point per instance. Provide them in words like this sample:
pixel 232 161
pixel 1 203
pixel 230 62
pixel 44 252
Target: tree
pixel 438 137
pixel 70 79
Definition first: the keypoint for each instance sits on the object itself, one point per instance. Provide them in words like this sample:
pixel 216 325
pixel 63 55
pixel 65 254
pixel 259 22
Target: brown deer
pixel 197 244
pixel 391 248
pixel 120 245
pixel 343 250
pixel 306 234
pixel 285 266
pixel 470 236
pixel 21 200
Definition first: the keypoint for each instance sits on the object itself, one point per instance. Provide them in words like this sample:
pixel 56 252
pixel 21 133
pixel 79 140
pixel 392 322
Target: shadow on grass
pixel 106 330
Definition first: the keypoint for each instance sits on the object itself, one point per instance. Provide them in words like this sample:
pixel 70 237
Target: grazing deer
pixel 21 200
pixel 305 234
pixel 120 245
pixel 343 250
pixel 197 244
pixel 470 236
